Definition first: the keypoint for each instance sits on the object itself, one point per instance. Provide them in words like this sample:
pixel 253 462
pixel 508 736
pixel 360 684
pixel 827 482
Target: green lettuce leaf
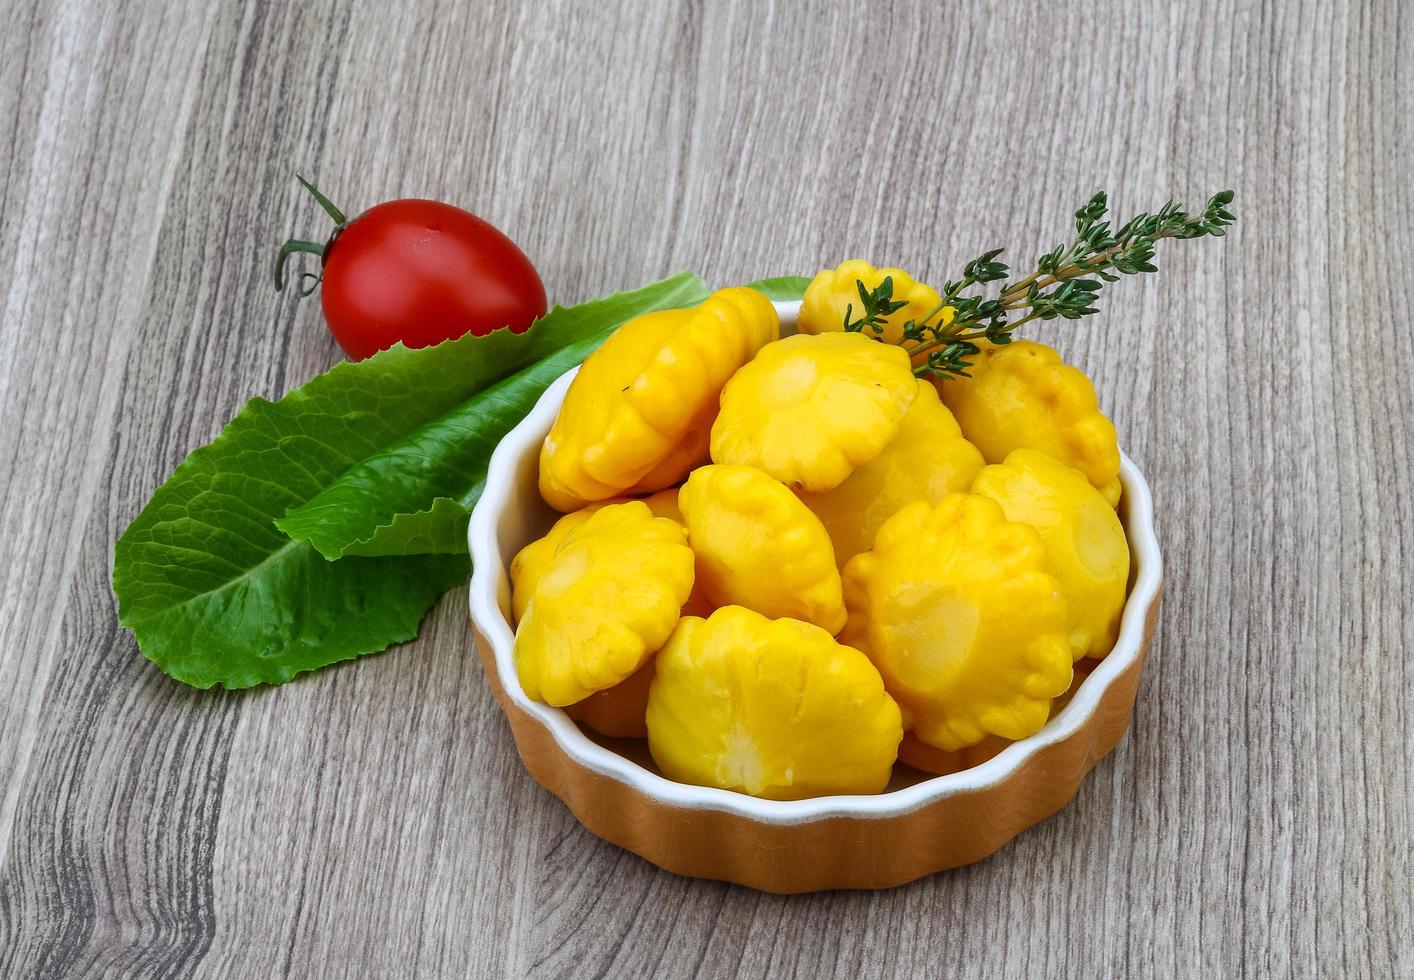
pixel 436 530
pixel 414 496
pixel 782 289
pixel 216 593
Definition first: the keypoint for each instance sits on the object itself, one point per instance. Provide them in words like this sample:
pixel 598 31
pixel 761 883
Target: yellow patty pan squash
pixel 928 459
pixel 808 410
pixel 664 503
pixel 757 545
pixel 921 755
pixel 610 596
pixel 1022 396
pixel 1085 545
pixel 833 291
pixel 532 560
pixel 619 711
pixel 770 708
pixel 639 414
pixel 955 608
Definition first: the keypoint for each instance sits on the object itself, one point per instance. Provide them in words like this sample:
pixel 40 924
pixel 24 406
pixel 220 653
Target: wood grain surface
pixel 373 819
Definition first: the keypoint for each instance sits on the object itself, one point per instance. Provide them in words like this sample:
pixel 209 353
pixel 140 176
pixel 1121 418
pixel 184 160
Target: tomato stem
pixel 286 250
pixel 313 248
pixel 324 202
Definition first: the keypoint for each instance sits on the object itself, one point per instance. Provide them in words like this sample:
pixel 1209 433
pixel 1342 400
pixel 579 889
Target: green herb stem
pixel 1061 285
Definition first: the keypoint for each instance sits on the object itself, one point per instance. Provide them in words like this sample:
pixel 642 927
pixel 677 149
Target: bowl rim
pixel 488 580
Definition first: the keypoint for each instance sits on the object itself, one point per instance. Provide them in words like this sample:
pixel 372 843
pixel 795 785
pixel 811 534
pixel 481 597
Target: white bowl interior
pixel 510 514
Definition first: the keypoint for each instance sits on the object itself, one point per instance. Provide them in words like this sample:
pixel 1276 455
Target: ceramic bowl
pixel 920 825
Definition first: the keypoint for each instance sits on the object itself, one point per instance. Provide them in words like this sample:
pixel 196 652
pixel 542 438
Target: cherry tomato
pixel 419 272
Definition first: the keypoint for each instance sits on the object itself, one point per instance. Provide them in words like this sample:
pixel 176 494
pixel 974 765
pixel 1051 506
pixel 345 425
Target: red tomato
pixel 421 272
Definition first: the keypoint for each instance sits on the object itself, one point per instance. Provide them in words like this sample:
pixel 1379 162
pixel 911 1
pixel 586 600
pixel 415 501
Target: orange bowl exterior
pixel 836 852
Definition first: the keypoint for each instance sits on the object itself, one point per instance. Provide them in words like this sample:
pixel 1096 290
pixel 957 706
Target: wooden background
pixel 373 819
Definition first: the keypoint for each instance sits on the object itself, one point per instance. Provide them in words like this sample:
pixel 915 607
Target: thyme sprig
pixel 949 336
pixel 878 303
